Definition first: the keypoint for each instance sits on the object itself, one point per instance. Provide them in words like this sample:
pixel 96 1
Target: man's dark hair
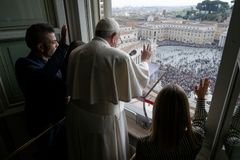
pixel 36 33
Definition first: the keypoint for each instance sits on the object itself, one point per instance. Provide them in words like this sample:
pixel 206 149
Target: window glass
pixel 187 42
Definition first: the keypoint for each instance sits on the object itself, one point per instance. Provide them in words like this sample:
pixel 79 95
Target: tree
pixel 213 6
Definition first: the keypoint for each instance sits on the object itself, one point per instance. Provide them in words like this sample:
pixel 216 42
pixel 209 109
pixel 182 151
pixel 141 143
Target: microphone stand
pixel 144 100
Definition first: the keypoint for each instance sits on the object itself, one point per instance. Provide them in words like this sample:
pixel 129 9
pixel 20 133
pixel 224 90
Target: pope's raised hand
pixel 146 52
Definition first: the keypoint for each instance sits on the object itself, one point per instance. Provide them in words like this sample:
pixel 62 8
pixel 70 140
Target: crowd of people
pixel 178 43
pixel 186 65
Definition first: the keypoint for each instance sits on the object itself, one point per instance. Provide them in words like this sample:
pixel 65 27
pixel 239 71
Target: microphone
pixel 133 52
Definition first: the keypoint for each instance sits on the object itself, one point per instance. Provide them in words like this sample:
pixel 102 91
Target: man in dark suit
pixel 40 78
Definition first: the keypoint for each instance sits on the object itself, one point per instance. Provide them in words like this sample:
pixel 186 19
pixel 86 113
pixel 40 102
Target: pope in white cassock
pixel 100 79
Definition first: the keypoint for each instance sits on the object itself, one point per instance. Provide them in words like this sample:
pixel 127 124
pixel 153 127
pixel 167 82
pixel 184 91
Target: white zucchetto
pixel 108 25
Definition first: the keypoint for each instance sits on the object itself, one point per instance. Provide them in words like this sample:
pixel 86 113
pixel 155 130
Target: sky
pixel 134 3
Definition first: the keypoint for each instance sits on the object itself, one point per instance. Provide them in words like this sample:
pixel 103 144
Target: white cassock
pixel 99 79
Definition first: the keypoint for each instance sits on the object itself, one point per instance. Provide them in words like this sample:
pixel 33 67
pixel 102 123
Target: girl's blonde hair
pixel 171 117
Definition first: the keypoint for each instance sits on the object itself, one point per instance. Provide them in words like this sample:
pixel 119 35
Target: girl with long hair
pixel 173 134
